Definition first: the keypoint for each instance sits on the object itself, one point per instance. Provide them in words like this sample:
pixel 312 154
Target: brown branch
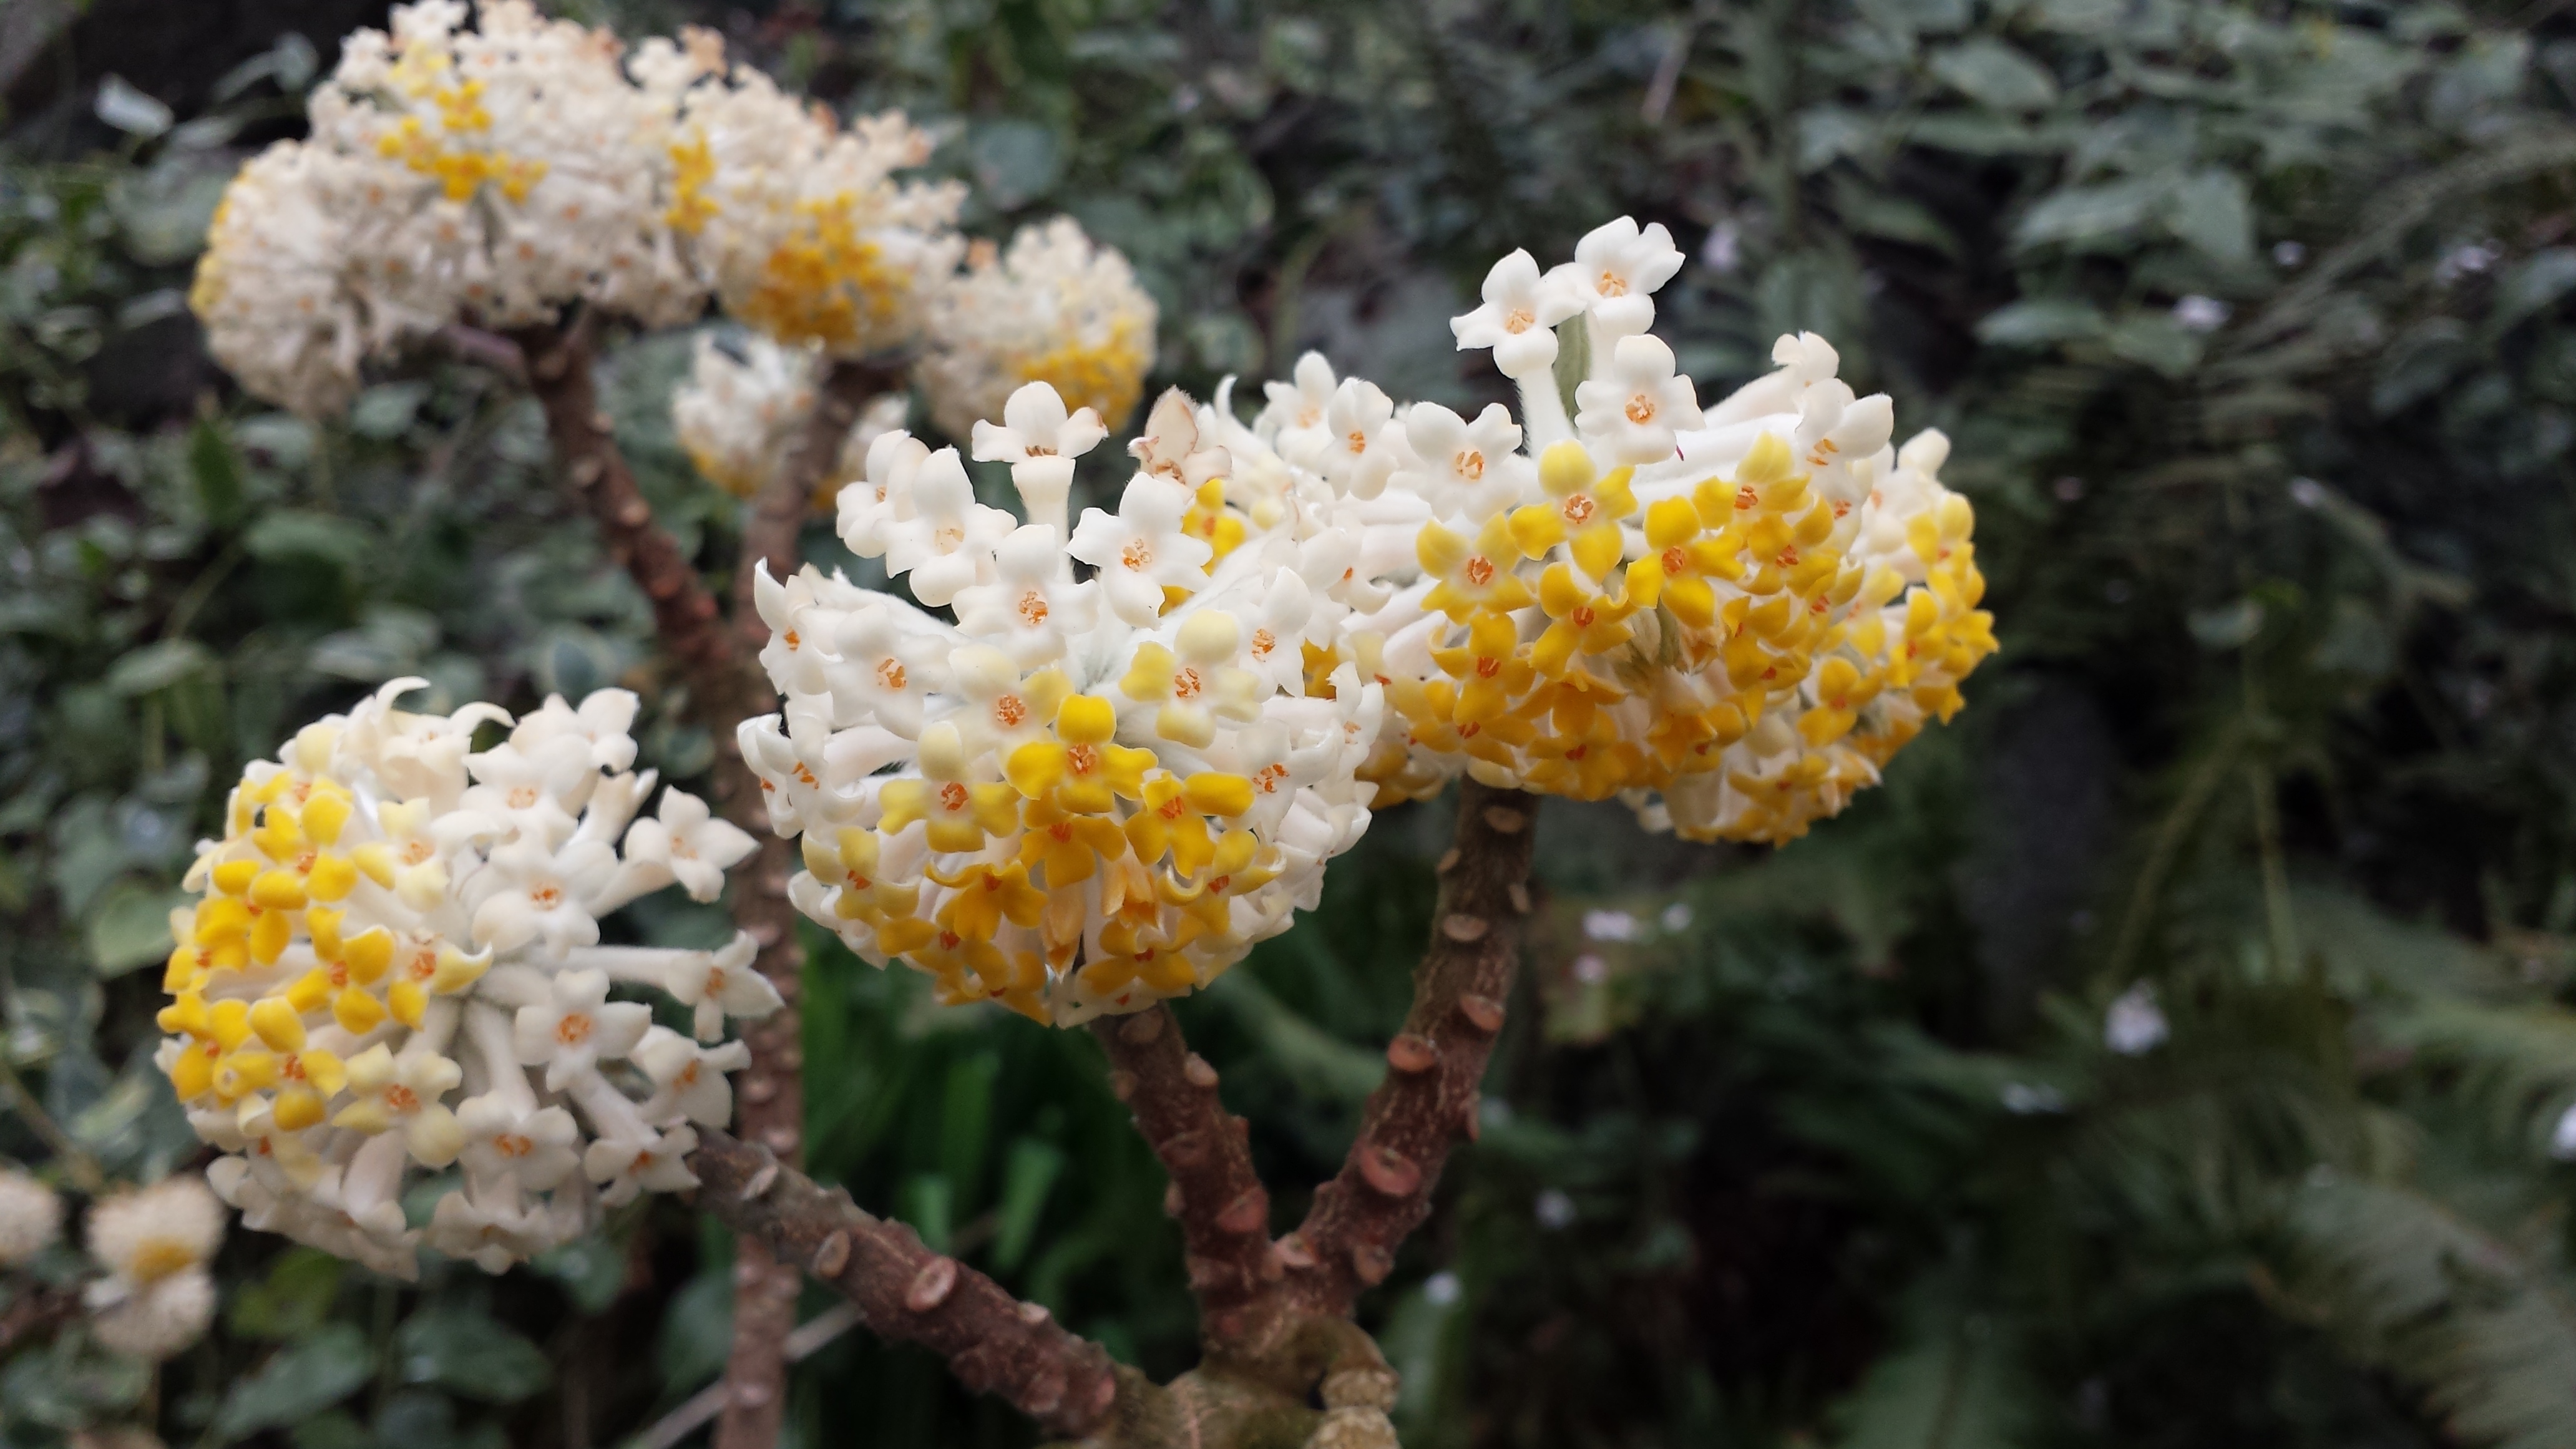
pixel 35 1313
pixel 993 1343
pixel 1429 1097
pixel 772 1103
pixel 1223 1209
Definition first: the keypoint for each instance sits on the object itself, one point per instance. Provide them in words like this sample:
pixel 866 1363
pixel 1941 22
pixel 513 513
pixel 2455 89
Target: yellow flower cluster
pixel 1054 308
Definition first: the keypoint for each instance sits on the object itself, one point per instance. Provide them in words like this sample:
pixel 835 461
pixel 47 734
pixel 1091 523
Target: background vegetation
pixel 2252 324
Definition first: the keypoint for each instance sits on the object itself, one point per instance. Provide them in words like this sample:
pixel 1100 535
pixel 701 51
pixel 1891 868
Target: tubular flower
pixel 739 412
pixel 394 968
pixel 1731 616
pixel 1087 794
pixel 1054 307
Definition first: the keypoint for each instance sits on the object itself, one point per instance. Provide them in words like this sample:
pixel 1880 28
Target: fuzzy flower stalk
pixel 395 970
pixel 1087 793
pixel 1731 616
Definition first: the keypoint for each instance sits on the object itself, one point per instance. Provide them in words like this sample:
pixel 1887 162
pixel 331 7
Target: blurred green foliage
pixel 2251 323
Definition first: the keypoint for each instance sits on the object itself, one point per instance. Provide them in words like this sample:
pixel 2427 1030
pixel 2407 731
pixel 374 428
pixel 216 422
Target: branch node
pixel 550 364
pixel 1464 928
pixel 1448 861
pixel 1173 1201
pixel 833 1256
pixel 1122 1083
pixel 599 423
pixel 1186 1149
pixel 1520 897
pixel 931 1286
pixel 1033 1314
pixel 635 514
pixel 1361 1388
pixel 749 1395
pixel 1372 1263
pixel 1412 1053
pixel 781 1138
pixel 1390 1171
pixel 764 1179
pixel 1245 1214
pixel 1201 1075
pixel 1141 1028
pixel 1504 820
pixel 1206 1273
pixel 1483 1013
pixel 585 470
pixel 1294 1251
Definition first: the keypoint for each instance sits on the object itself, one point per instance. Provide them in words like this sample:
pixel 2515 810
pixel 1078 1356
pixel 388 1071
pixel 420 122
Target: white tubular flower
pixel 1519 317
pixel 31 1217
pixel 1052 308
pixel 947 545
pixel 1040 440
pixel 1073 809
pixel 364 954
pixel 1733 617
pixel 690 1079
pixel 1639 406
pixel 157 1297
pixel 724 985
pixel 1141 550
pixel 692 842
pixel 1616 271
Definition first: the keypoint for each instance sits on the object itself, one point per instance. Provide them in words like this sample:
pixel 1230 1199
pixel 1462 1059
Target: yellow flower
pixel 1473 576
pixel 1580 502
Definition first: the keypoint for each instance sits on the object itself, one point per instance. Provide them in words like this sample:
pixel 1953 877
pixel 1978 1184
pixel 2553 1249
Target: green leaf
pixel 1992 73
pixel 290 533
pixel 292 1301
pixel 1016 162
pixel 297 1382
pixel 467 1352
pixel 2211 211
pixel 217 472
pixel 2156 341
pixel 1026 1180
pixel 158 666
pixel 2039 321
pixel 2089 213
pixel 1955 1380
pixel 592 1269
pixel 2420 363
pixel 130 927
pixel 386 410
pixel 2537 283
pixel 71 1385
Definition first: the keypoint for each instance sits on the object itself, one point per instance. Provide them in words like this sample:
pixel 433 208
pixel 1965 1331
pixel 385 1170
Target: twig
pixel 78 1165
pixel 1429 1097
pixel 1223 1209
pixel 693 1413
pixel 772 1110
pixel 993 1343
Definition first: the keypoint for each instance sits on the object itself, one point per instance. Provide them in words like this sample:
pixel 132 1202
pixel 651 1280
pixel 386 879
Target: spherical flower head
pixel 807 231
pixel 1053 308
pixel 740 410
pixel 1732 616
pixel 1087 793
pixel 31 1217
pixel 157 1297
pixel 394 969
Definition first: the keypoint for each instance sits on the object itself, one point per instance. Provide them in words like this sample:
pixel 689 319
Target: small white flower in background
pixel 2288 253
pixel 392 920
pixel 2201 314
pixel 157 1297
pixel 1612 926
pixel 2023 1099
pixel 1723 250
pixel 1441 1289
pixel 31 1217
pixel 1590 970
pixel 2135 1025
pixel 1676 918
pixel 2562 1138
pixel 1554 1210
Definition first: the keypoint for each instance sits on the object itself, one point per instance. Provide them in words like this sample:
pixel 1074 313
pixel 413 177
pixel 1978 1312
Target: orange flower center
pixel 574 1029
pixel 890 674
pixel 1641 409
pixel 1009 710
pixel 1480 570
pixel 1033 609
pixel 952 796
pixel 1137 556
pixel 1578 509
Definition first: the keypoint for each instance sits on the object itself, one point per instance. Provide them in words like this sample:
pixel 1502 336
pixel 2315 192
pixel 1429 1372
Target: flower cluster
pixel 1733 616
pixel 1086 793
pixel 157 1297
pixel 801 226
pixel 31 1217
pixel 489 173
pixel 739 414
pixel 396 965
pixel 1053 308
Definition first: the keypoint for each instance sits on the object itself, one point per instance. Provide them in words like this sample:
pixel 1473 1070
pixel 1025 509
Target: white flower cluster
pixel 1733 616
pixel 1053 308
pixel 31 1217
pixel 396 966
pixel 157 1297
pixel 802 227
pixel 1085 794
pixel 489 173
pixel 737 416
